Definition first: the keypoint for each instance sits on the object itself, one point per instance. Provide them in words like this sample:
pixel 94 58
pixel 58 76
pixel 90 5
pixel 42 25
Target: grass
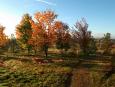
pixel 22 72
pixel 97 81
pixel 25 74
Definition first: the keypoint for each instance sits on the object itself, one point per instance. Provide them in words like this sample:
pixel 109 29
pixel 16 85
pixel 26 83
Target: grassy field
pixel 71 72
pixel 22 72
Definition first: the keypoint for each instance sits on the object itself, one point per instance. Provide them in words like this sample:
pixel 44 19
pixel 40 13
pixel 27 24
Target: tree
pixel 12 44
pixel 63 36
pixel 24 32
pixel 106 43
pixel 3 37
pixel 43 32
pixel 92 46
pixel 82 35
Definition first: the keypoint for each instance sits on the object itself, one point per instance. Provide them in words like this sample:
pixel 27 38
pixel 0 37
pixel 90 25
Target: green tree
pixel 106 43
pixel 24 32
pixel 12 44
pixel 92 46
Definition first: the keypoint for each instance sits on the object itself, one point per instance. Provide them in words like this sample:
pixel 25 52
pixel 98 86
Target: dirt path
pixel 81 78
pixel 81 74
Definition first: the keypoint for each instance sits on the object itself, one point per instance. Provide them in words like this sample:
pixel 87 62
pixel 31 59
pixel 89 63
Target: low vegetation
pixel 17 73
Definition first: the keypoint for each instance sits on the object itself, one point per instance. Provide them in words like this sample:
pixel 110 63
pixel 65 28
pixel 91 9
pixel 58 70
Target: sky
pixel 99 14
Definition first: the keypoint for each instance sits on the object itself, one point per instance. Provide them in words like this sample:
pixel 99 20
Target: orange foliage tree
pixel 3 37
pixel 43 34
pixel 63 37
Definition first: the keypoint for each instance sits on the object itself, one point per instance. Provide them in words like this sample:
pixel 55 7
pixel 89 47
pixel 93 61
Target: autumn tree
pixel 24 32
pixel 106 43
pixel 63 36
pixel 82 35
pixel 43 32
pixel 3 37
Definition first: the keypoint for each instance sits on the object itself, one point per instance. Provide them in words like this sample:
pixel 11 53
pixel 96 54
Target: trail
pixel 81 74
pixel 81 78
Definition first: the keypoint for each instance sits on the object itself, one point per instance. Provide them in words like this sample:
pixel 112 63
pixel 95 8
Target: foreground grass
pixel 26 74
pixel 20 72
pixel 99 79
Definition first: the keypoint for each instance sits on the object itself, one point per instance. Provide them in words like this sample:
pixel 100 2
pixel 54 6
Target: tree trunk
pixel 35 52
pixel 46 53
pixel 85 53
pixel 46 50
pixel 28 51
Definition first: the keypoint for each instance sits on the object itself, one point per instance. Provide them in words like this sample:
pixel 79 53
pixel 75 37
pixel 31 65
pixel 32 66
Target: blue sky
pixel 100 14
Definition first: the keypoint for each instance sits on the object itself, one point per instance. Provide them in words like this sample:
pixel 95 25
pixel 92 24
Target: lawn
pixel 23 72
pixel 19 73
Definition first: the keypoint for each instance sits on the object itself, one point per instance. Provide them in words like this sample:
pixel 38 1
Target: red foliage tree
pixel 43 32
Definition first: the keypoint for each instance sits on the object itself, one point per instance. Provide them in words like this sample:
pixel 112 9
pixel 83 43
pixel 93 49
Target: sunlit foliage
pixel 63 37
pixel 43 32
pixel 24 32
pixel 3 37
